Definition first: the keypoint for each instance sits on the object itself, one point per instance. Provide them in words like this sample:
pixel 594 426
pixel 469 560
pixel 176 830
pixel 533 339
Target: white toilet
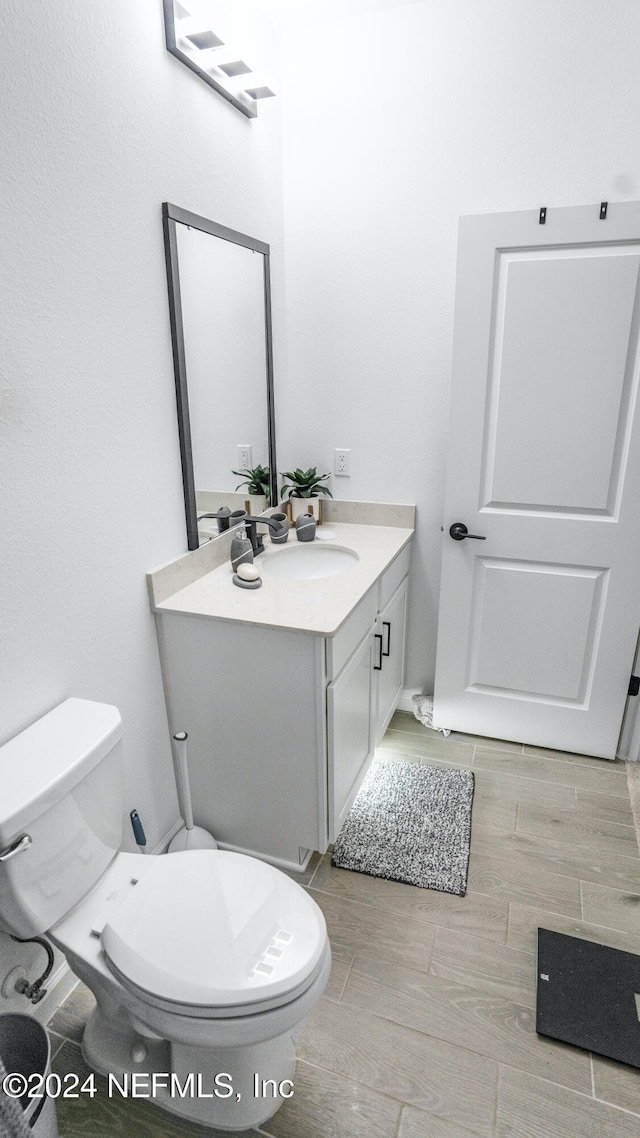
pixel 203 963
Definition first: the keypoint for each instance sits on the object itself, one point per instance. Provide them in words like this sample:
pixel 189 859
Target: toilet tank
pixel 61 787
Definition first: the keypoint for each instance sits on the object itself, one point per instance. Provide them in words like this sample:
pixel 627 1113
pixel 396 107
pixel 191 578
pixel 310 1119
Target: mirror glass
pixel 220 309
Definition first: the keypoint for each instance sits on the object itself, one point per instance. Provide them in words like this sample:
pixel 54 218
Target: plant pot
pixel 311 505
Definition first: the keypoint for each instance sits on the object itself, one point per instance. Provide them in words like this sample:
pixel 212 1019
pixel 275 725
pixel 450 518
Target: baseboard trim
pixel 405 703
pixel 164 842
pixel 278 862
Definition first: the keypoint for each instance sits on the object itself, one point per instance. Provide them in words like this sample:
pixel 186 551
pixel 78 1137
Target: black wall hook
pixel 603 210
pixel 543 215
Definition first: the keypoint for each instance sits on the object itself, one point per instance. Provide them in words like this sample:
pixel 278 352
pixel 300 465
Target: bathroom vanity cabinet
pixel 363 686
pixel 282 723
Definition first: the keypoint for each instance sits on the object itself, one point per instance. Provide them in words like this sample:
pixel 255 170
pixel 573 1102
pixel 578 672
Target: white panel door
pixel 539 621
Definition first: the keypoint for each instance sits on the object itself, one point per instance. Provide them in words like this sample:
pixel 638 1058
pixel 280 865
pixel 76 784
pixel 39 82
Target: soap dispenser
pixel 241 548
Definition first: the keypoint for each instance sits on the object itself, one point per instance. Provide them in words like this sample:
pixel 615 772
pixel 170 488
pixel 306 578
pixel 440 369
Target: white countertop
pixel 319 606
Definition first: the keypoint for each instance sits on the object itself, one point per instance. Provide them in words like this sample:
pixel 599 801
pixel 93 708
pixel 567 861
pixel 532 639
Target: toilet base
pixel 224 1088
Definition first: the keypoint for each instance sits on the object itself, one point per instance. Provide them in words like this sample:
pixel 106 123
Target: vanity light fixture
pixel 236 67
pixel 205 53
pixel 204 40
pixel 260 92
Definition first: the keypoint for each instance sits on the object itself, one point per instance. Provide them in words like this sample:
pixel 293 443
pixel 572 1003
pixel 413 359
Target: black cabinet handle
pixel 458 531
pixel 387 624
pixel 378 667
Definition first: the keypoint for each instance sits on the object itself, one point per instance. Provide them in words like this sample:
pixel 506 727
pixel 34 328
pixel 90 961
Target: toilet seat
pixel 210 932
pixel 239 1013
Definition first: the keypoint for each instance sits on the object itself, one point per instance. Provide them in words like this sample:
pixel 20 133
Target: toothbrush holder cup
pixel 305 527
pixel 279 536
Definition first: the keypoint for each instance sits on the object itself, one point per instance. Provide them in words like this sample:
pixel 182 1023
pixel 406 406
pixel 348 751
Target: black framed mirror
pixel 220 314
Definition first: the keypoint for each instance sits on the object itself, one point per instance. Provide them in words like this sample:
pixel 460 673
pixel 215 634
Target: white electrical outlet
pixel 244 456
pixel 342 462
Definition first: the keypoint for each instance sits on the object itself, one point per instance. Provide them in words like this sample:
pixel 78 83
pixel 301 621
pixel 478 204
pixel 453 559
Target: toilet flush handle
pixel 18 846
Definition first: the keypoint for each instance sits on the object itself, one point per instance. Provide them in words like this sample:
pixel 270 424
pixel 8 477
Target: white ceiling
pixel 289 14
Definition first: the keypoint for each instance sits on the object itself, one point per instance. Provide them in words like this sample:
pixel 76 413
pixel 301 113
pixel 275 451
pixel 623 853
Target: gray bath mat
pixel 410 823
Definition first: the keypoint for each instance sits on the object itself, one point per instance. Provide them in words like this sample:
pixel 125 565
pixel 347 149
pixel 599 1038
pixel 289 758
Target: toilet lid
pixel 210 927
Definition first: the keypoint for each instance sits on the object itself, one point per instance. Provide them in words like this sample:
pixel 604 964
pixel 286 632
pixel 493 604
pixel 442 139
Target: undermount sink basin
pixel 305 562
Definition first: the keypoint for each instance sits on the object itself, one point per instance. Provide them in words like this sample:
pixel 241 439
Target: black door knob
pixel 458 531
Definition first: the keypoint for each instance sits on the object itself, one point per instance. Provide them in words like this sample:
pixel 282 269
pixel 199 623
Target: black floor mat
pixel 589 995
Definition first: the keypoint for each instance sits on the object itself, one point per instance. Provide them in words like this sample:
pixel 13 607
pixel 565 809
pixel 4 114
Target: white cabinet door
pixel 538 622
pixel 348 732
pixel 389 662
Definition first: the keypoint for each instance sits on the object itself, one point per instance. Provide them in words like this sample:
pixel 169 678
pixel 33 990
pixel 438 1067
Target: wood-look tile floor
pixel 427 1029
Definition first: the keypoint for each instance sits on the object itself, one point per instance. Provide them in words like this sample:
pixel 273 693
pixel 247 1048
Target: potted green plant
pixel 303 484
pixel 256 482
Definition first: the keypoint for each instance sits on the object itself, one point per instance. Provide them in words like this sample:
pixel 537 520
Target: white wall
pixel 396 123
pixel 99 126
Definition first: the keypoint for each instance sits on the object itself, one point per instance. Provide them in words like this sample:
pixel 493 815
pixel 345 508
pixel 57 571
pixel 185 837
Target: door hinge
pixel 634 685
